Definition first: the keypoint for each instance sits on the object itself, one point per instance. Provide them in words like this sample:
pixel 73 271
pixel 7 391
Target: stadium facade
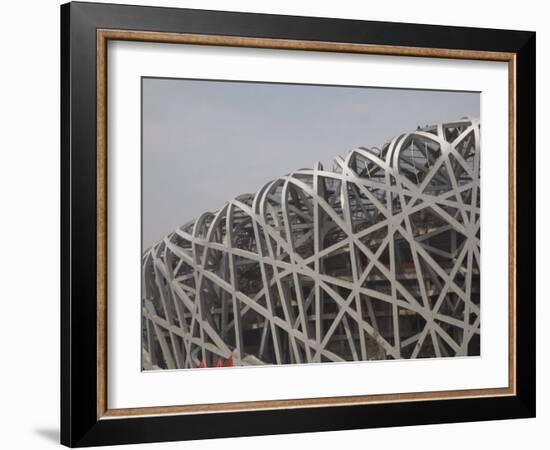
pixel 377 258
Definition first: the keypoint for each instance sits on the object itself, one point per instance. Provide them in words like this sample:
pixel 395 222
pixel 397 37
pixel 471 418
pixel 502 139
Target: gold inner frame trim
pixel 104 35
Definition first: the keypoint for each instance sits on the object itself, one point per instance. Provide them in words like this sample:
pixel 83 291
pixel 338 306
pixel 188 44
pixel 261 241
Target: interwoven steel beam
pixel 377 258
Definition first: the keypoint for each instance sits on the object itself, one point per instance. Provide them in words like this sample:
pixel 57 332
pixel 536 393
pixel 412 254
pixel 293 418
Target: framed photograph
pixel 277 224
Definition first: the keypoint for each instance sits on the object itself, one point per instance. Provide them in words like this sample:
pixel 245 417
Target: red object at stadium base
pixel 228 362
pixel 219 363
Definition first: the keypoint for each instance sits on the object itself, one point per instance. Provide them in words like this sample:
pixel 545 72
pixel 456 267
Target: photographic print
pixel 257 205
pixel 295 224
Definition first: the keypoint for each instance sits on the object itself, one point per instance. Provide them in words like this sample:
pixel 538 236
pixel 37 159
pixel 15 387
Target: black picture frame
pixel 80 425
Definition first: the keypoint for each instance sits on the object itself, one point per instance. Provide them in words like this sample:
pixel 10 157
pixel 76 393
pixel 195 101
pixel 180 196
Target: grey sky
pixel 205 142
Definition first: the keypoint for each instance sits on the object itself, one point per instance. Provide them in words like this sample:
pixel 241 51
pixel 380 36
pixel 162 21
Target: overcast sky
pixel 205 142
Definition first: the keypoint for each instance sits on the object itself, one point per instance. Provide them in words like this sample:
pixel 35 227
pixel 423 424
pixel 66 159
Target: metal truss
pixel 377 258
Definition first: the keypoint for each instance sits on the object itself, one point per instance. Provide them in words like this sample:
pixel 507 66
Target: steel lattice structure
pixel 376 259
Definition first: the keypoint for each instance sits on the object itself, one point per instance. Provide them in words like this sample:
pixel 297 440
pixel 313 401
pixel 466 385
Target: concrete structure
pixel 377 258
